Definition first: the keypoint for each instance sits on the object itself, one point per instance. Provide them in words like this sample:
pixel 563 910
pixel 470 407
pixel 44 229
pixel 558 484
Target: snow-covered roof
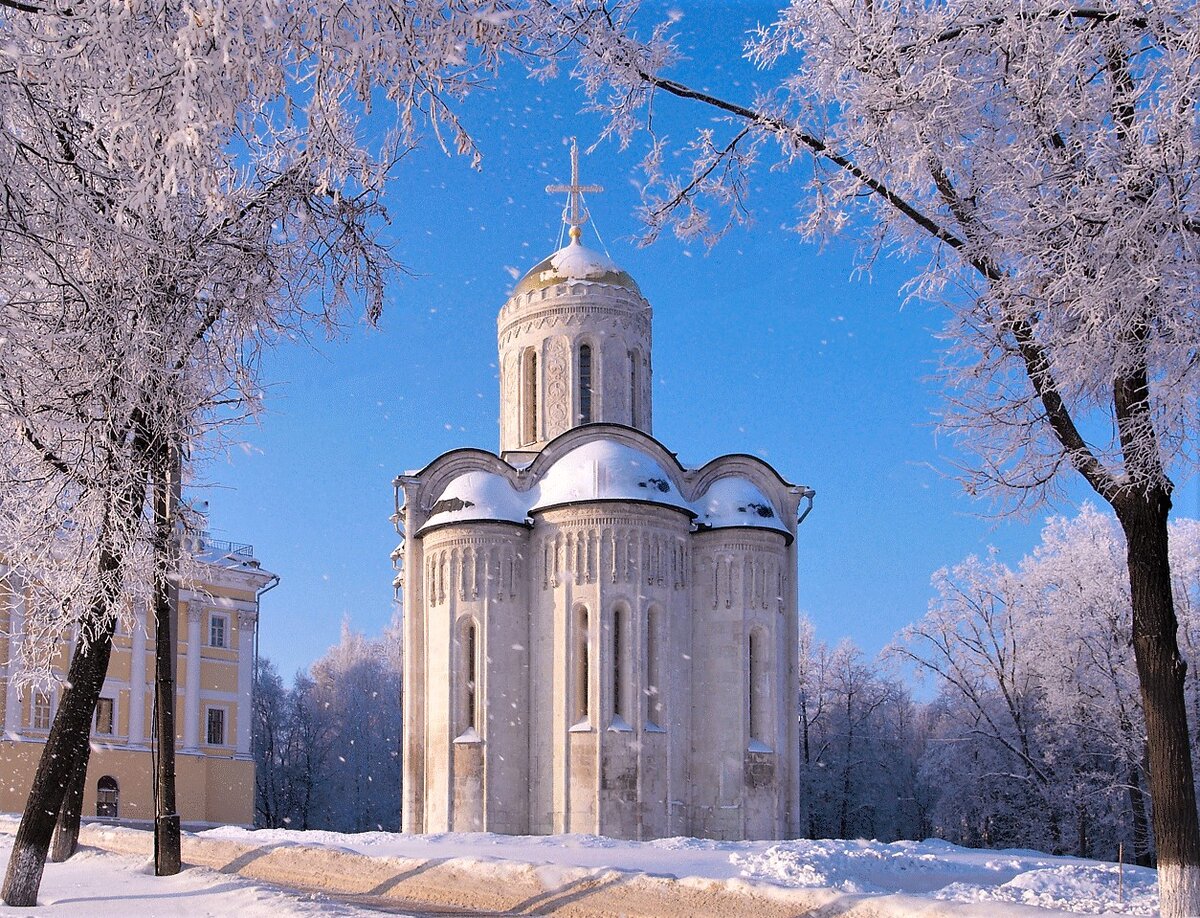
pixel 604 469
pixel 736 502
pixel 574 262
pixel 478 495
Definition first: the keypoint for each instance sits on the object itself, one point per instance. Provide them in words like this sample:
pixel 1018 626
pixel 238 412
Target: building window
pixel 42 711
pixel 215 732
pixel 529 396
pixel 635 389
pixel 653 668
pixel 621 671
pixel 107 797
pixel 581 658
pixel 468 677
pixel 759 696
pixel 218 630
pixel 585 384
pixel 104 717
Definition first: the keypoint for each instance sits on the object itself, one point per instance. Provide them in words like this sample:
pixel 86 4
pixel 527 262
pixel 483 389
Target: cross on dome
pixel 575 213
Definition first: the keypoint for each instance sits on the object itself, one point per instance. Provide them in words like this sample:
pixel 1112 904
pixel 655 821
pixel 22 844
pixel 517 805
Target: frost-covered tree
pixel 357 689
pixel 1077 621
pixel 328 749
pixel 1037 159
pixel 861 741
pixel 270 736
pixel 183 184
pixel 1039 736
pixel 970 640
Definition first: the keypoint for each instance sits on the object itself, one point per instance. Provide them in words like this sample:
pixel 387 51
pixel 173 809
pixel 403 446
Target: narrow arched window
pixel 653 668
pixel 585 384
pixel 581 660
pixel 529 396
pixel 635 389
pixel 468 677
pixel 621 669
pixel 108 797
pixel 759 696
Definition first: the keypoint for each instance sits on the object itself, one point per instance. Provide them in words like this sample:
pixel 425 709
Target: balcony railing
pixel 205 544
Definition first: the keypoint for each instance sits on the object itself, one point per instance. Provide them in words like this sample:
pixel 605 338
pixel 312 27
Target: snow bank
pixel 933 870
pixel 1080 889
pixel 949 872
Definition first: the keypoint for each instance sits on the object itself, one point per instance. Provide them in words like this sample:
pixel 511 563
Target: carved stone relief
pixel 558 392
pixel 510 408
pixel 615 382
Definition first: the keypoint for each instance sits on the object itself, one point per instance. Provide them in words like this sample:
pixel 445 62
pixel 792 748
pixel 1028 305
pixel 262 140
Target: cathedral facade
pixel 596 638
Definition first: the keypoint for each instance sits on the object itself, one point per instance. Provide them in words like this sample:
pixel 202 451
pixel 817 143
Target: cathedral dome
pixel 475 496
pixel 607 470
pixel 731 502
pixel 574 262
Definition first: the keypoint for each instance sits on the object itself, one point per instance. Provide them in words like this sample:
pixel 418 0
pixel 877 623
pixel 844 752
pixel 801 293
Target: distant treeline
pixel 1034 737
pixel 328 748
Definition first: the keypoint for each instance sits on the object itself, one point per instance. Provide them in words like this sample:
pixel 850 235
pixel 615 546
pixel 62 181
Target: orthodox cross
pixel 575 214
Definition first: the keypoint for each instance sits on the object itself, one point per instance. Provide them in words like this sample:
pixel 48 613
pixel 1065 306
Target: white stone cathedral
pixel 596 639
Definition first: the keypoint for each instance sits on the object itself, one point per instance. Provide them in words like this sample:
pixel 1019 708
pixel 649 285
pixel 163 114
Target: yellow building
pixel 216 627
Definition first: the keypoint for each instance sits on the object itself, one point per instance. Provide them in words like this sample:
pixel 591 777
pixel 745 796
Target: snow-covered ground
pixel 930 869
pixel 102 884
pixel 95 884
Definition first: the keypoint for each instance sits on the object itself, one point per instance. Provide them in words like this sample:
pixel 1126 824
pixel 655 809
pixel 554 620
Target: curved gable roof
pixel 603 462
pixel 606 469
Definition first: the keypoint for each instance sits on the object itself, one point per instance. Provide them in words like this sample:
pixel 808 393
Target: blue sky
pixel 763 345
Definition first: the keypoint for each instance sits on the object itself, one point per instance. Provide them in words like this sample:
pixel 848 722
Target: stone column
pixel 191 684
pixel 137 678
pixel 16 628
pixel 247 622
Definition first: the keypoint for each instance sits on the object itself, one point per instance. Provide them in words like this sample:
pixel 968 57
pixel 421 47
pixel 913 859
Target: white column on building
pixel 191 684
pixel 16 629
pixel 247 622
pixel 137 678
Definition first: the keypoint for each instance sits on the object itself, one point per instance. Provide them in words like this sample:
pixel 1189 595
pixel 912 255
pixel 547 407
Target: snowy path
pixel 580 875
pixel 96 884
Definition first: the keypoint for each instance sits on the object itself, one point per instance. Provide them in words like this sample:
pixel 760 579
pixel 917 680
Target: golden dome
pixel 574 262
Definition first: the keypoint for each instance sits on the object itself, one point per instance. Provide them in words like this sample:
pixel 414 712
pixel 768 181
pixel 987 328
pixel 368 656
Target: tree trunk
pixel 167 843
pixel 1141 829
pixel 66 834
pixel 72 726
pixel 1161 672
pixel 66 745
pixel 1081 832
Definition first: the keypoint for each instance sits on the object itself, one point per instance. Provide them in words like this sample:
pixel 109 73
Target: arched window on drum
pixel 584 383
pixel 635 388
pixel 529 396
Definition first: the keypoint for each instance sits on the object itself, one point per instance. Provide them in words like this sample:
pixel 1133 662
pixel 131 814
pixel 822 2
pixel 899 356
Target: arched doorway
pixel 106 797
